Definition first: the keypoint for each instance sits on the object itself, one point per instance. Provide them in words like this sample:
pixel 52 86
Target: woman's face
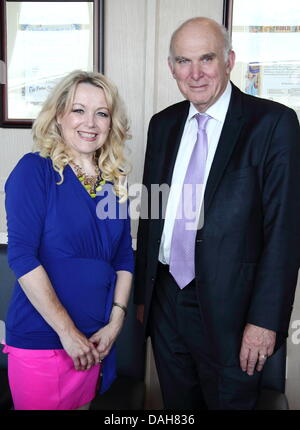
pixel 86 126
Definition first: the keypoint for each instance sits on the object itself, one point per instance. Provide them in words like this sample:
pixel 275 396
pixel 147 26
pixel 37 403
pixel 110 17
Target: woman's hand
pixel 104 338
pixel 83 353
pixel 38 288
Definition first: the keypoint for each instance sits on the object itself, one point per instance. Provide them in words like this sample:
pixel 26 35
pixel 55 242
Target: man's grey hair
pixel 222 28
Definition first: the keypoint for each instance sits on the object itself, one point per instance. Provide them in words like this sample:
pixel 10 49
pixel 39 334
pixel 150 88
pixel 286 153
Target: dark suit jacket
pixel 248 252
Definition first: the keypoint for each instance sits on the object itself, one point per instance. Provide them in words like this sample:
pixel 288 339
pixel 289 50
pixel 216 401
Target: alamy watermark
pixel 295 332
pixel 151 203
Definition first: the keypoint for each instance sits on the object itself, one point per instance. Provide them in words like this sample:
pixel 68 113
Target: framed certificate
pixel 266 40
pixel 42 41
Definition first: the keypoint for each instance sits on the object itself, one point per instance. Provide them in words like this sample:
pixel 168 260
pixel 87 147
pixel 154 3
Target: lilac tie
pixel 182 253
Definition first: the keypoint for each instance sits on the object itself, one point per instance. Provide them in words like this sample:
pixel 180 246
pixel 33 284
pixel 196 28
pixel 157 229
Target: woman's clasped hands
pixel 85 352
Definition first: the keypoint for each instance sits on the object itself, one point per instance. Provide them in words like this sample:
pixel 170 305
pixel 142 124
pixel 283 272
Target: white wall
pixel 13 144
pixel 137 34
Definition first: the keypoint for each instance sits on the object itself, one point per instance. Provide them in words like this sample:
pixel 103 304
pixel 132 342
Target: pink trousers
pixel 47 380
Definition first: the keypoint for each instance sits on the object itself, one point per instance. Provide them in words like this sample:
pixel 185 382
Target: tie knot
pixel 202 119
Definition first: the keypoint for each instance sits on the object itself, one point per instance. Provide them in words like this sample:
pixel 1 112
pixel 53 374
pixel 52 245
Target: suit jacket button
pixel 199 240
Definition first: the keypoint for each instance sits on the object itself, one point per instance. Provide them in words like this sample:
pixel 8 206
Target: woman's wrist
pixel 121 306
pixel 66 328
pixel 117 317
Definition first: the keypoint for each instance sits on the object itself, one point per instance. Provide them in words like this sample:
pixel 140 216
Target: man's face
pixel 198 64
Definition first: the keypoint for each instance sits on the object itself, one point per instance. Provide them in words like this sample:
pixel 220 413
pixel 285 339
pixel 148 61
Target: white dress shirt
pixel 214 127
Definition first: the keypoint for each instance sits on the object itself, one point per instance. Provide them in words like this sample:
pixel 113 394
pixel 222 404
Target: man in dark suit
pixel 217 301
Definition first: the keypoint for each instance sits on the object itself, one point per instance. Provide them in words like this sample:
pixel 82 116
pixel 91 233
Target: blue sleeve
pixel 25 205
pixel 124 259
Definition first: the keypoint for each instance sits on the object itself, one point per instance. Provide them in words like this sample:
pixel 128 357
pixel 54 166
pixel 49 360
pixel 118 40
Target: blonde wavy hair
pixel 49 141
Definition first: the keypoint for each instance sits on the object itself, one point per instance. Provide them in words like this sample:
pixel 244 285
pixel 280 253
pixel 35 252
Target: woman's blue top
pixel 80 241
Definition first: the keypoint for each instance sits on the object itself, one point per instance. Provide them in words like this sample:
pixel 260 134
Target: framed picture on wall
pixel 266 40
pixel 41 41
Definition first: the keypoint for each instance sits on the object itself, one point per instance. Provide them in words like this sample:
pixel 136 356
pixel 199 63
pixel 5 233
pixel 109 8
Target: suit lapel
pixel 172 145
pixel 228 139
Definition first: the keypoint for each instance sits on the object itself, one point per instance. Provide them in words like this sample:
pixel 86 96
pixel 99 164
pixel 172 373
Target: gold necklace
pixel 92 183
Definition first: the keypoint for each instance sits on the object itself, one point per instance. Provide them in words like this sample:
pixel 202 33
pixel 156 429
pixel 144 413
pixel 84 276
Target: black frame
pixel 5 122
pixel 227 14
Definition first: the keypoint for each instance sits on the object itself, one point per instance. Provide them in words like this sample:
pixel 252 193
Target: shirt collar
pixel 219 109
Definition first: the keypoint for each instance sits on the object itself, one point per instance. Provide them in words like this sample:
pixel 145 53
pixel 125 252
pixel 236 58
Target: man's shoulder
pixel 260 104
pixel 172 111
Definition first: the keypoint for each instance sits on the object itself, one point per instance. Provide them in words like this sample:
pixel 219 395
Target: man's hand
pixel 140 313
pixel 257 345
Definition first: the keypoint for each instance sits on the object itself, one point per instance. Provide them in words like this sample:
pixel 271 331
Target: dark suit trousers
pixel 190 378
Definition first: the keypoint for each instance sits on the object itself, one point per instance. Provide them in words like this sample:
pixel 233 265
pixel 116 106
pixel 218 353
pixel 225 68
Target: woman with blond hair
pixel 73 265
